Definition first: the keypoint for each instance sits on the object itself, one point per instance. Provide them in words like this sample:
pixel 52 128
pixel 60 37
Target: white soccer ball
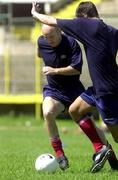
pixel 46 162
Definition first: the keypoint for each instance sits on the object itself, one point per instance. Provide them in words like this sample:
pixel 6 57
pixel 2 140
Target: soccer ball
pixel 46 163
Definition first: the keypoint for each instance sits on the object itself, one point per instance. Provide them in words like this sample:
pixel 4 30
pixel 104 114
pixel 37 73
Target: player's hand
pixel 47 70
pixel 35 7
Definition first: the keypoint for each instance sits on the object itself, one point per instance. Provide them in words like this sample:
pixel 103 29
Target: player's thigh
pixel 114 131
pixel 52 106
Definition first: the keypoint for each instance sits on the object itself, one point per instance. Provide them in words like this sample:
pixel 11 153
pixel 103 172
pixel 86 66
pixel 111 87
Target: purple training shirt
pixel 101 44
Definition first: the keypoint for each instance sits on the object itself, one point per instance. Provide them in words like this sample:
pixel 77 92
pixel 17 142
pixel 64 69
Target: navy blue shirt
pixel 67 53
pixel 101 44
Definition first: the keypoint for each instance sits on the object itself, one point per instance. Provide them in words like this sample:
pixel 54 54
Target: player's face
pixel 53 38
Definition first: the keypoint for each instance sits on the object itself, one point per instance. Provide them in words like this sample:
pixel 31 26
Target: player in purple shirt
pixel 63 65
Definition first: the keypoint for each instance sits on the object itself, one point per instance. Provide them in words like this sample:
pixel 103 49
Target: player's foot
pixel 63 162
pixel 100 158
pixel 113 164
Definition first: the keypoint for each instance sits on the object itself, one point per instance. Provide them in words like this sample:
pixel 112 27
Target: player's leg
pixel 108 108
pixel 114 131
pixel 79 109
pixel 51 109
pixel 113 162
pixel 109 115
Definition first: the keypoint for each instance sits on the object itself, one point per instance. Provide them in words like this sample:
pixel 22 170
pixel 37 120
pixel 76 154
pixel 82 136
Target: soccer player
pixel 100 43
pixel 63 65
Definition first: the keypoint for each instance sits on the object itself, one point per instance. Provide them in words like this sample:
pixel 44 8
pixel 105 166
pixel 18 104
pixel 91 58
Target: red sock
pixel 57 146
pixel 89 129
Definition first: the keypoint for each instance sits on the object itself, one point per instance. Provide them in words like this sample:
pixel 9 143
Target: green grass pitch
pixel 22 139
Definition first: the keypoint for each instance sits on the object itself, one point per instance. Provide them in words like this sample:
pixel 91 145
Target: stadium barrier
pixel 8 98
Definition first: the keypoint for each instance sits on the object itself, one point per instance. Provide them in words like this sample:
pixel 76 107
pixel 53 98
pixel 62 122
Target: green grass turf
pixel 22 139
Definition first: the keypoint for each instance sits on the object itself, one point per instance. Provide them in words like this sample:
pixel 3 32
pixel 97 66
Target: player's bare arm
pixel 42 17
pixel 67 71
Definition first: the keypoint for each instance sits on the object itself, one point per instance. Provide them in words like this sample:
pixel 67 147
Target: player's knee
pixel 72 110
pixel 74 113
pixel 48 114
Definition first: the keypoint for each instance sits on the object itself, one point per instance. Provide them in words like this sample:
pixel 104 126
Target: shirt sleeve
pixel 76 58
pixel 82 29
pixel 72 27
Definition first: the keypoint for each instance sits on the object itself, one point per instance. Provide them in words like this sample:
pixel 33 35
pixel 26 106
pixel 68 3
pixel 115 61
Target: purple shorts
pixel 107 105
pixel 64 96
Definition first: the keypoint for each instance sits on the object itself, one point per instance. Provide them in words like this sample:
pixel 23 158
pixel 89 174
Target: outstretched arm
pixel 66 71
pixel 45 19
